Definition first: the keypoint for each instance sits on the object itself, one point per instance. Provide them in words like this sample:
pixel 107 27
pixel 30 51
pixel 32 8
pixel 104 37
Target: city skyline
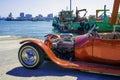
pixel 21 14
pixel 36 7
pixel 27 17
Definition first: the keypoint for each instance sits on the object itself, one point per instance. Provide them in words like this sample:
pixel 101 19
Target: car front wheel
pixel 30 56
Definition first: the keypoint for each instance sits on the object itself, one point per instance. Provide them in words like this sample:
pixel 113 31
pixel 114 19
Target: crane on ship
pixel 108 24
pixel 115 12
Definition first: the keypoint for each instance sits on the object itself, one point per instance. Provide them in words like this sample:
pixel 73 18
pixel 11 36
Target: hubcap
pixel 29 56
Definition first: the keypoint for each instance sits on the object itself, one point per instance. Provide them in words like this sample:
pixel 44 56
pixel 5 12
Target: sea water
pixel 34 29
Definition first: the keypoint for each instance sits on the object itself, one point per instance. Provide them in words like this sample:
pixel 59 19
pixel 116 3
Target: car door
pixel 106 50
pixel 83 48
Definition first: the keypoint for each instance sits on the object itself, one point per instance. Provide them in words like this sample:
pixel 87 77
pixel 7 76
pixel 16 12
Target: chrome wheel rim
pixel 29 56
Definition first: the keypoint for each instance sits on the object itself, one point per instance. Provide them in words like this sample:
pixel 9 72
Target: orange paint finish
pixel 107 51
pixel 83 48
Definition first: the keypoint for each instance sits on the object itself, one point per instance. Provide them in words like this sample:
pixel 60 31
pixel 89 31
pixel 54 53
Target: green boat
pixel 67 22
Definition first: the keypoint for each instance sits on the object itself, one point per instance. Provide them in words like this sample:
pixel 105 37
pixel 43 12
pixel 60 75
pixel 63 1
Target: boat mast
pixel 70 5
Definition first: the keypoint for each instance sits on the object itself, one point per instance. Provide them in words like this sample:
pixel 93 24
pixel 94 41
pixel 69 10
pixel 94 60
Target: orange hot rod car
pixel 89 52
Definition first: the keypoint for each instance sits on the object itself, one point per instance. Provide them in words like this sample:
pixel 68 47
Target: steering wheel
pixel 94 33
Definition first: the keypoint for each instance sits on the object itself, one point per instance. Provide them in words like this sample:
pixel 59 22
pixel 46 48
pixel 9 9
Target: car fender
pixel 50 54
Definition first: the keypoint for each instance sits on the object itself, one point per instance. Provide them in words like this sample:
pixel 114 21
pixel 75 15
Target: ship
pixel 67 22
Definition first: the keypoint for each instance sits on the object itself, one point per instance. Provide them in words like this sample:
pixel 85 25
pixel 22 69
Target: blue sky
pixel 44 7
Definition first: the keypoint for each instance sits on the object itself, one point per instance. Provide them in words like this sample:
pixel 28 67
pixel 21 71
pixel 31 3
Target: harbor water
pixel 34 29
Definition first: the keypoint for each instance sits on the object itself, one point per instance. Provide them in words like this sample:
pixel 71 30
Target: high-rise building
pixel 50 16
pixel 10 15
pixel 28 16
pixel 39 17
pixel 0 17
pixel 22 15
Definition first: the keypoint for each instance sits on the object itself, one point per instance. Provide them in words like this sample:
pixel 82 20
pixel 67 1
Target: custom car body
pixel 89 52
